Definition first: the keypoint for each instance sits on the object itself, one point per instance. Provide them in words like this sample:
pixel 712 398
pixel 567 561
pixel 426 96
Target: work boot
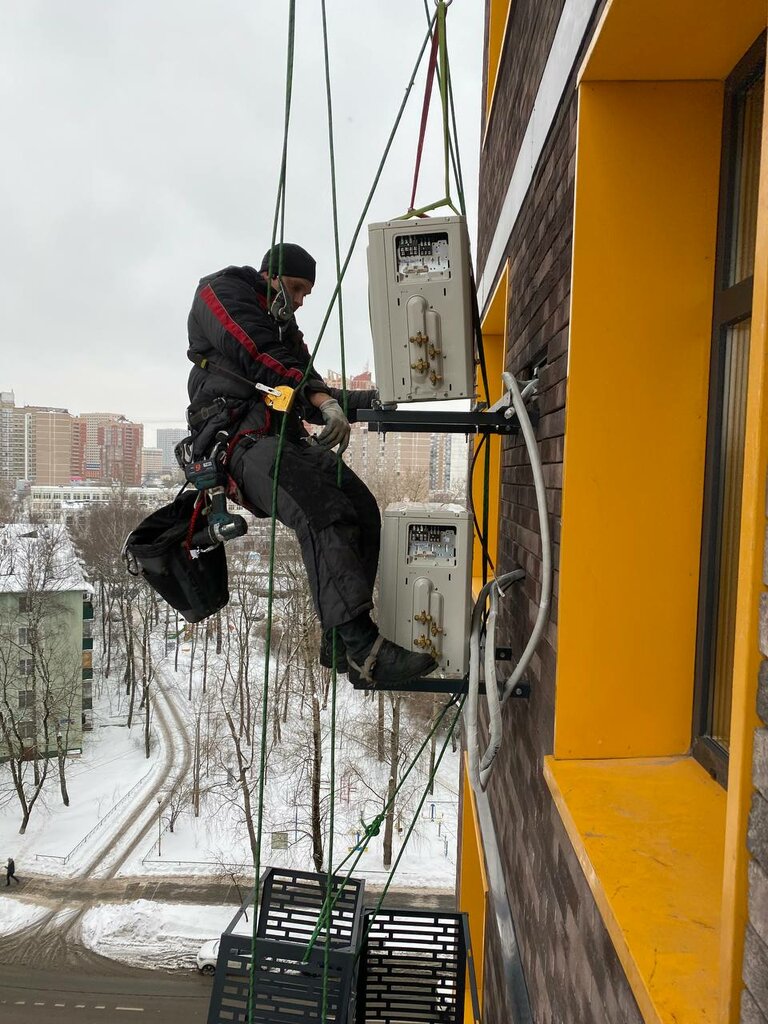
pixel 379 662
pixel 326 652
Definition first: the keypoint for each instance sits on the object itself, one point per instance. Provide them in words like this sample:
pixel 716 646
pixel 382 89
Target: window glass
pixel 748 122
pixel 740 171
pixel 731 460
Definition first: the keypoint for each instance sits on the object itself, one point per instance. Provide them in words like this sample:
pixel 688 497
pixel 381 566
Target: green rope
pixel 279 212
pixel 336 296
pixel 345 404
pixel 453 139
pixel 455 151
pixel 411 827
pixel 443 85
pixel 371 193
pixel 280 200
pixel 372 829
pixel 442 79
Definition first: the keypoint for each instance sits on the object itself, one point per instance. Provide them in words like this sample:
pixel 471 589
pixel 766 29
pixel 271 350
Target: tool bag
pixel 194 582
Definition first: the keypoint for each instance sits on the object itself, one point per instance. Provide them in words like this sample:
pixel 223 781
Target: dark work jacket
pixel 229 324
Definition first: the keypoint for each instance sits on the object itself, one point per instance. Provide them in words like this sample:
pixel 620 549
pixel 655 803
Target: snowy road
pixel 54 937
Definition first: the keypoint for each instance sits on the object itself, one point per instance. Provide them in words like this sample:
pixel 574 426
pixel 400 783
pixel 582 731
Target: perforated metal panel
pixel 291 903
pixel 413 966
pixel 284 987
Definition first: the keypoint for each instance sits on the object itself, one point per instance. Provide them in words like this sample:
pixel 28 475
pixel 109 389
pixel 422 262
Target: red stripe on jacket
pixel 212 302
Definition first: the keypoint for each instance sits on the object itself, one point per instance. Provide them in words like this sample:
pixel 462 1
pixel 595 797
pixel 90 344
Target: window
pixel 24 603
pixel 23 636
pixel 26 730
pixel 734 266
pixel 26 699
pixel 25 667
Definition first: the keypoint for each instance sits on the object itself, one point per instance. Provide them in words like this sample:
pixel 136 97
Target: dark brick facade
pixel 754 1003
pixel 532 25
pixel 571 968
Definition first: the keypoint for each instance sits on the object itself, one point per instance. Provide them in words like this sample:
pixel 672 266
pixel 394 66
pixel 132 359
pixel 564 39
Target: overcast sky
pixel 141 146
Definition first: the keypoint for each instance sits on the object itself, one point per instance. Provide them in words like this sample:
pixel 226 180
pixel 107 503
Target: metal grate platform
pixel 291 903
pixel 413 968
pixel 284 988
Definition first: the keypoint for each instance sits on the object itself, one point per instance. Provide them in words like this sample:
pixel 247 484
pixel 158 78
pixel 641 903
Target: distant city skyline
pixel 151 426
pixel 134 210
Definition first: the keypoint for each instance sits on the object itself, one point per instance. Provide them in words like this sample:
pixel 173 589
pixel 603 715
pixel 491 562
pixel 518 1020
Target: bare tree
pixel 179 797
pixel 40 656
pixel 99 536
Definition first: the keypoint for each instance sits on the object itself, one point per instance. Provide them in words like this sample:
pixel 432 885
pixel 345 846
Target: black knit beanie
pixel 296 262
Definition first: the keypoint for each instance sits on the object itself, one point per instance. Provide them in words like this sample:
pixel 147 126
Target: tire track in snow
pixel 56 938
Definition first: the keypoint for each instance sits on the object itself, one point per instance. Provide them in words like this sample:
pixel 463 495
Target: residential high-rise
pixel 151 462
pixel 92 464
pixel 49 446
pixel 7 421
pixel 167 439
pixel 52 445
pixel 79 441
pixel 421 460
pixel 120 446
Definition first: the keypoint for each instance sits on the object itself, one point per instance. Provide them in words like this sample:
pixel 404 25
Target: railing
pixel 118 806
pixel 221 865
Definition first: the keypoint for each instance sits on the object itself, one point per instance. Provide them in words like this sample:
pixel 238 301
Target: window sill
pixel 649 835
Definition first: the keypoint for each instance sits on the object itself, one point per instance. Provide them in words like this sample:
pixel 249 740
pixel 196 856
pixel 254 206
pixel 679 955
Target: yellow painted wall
pixel 672 40
pixel 744 718
pixel 644 243
pixel 498 12
pixel 473 884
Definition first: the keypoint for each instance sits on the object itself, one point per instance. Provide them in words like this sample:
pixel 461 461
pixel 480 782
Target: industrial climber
pixel 242 322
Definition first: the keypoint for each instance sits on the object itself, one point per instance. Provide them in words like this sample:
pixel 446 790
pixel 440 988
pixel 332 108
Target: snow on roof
pixel 39 558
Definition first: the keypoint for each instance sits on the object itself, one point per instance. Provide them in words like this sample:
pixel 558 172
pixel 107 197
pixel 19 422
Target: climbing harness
pixel 280 398
pixel 206 522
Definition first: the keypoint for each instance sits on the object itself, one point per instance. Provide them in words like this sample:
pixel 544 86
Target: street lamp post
pixel 159 824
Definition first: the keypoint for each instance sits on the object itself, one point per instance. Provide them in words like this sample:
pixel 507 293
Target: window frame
pixel 732 305
pixel 26 731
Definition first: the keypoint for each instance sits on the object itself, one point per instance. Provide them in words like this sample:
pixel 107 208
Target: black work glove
pixel 336 430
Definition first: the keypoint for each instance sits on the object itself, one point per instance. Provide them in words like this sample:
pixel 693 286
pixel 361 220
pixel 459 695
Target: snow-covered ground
pixel 155 935
pixel 112 776
pixel 16 914
pixel 103 783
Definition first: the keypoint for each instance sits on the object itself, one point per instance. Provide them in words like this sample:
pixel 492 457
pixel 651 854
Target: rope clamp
pixel 280 399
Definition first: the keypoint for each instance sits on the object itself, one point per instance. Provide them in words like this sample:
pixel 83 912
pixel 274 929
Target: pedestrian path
pixel 191 889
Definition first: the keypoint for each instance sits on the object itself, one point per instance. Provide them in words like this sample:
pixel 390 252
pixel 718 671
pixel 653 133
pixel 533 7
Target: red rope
pixel 425 112
pixel 259 432
pixel 193 521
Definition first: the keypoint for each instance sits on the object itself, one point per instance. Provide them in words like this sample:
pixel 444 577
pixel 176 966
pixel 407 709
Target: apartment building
pixel 623 260
pixel 167 439
pixel 65 504
pixel 151 463
pixel 46 642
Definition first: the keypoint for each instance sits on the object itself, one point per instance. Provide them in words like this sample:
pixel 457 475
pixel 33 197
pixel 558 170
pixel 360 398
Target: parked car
pixel 207 956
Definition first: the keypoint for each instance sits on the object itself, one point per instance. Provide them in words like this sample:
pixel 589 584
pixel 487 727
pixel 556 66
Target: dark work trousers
pixel 338 527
